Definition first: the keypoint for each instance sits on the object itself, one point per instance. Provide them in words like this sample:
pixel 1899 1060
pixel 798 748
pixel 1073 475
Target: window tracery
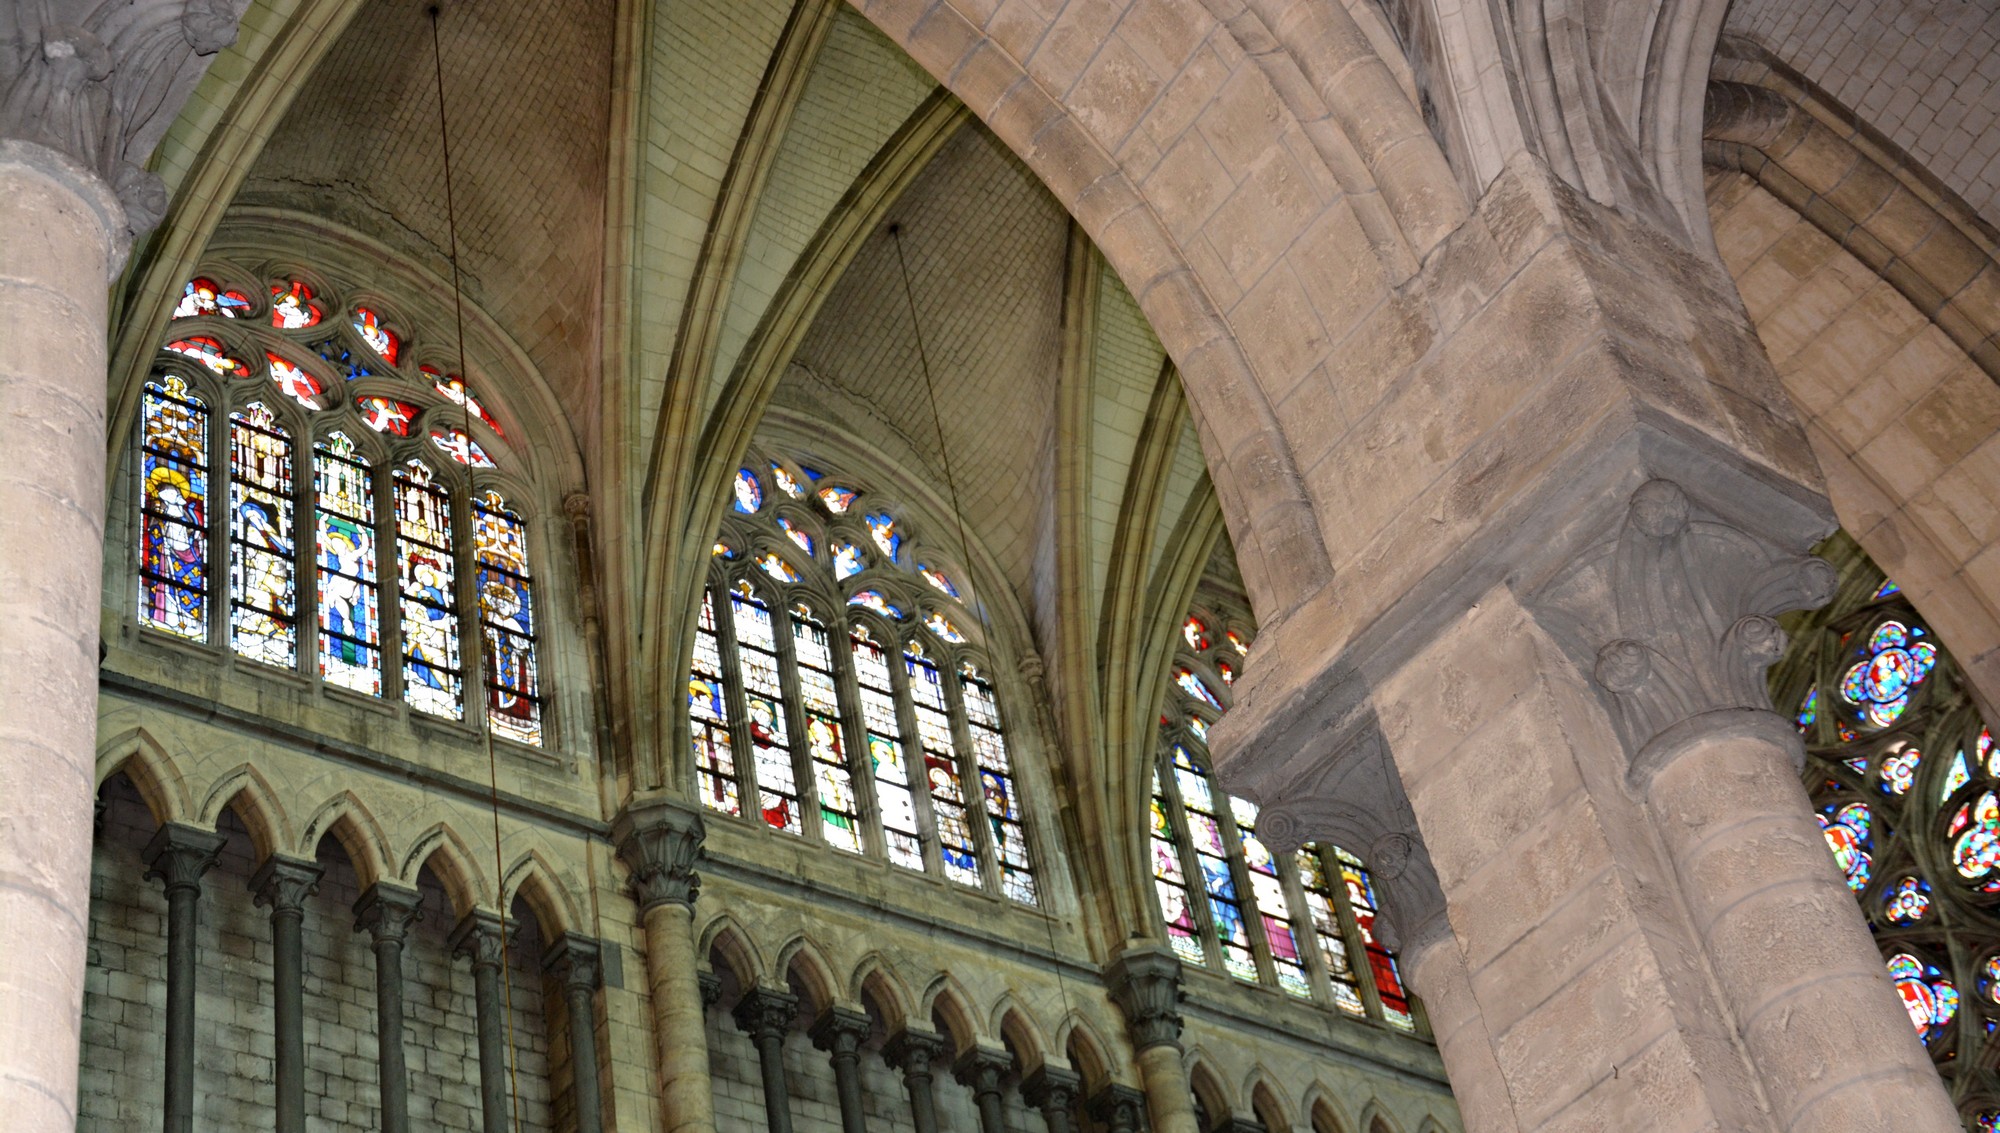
pixel 1904 781
pixel 336 426
pixel 1291 922
pixel 804 560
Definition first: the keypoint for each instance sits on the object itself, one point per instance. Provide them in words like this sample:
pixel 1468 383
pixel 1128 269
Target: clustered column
pixel 660 841
pixel 178 855
pixel 481 938
pixel 386 912
pixel 284 884
pixel 840 1031
pixel 1145 981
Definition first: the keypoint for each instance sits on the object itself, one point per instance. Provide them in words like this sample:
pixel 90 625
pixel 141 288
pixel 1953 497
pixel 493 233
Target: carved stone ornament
pixel 766 1012
pixel 1121 1108
pixel 388 910
pixel 710 986
pixel 1145 982
pixel 914 1051
pixel 1051 1088
pixel 1677 614
pixel 100 81
pixel 178 855
pixel 285 883
pixel 660 841
pixel 982 1068
pixel 575 961
pixel 479 937
pixel 841 1030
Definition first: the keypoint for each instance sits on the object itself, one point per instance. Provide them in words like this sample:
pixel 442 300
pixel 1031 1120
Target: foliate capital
pixel 575 961
pixel 660 842
pixel 479 937
pixel 710 986
pixel 1675 616
pixel 1051 1087
pixel 1119 1107
pixel 841 1030
pixel 285 883
pixel 388 910
pixel 179 854
pixel 1145 982
pixel 765 1012
pixel 915 1051
pixel 981 1069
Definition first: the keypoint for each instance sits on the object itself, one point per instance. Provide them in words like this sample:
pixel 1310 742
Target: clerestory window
pixel 312 500
pixel 1304 923
pixel 838 692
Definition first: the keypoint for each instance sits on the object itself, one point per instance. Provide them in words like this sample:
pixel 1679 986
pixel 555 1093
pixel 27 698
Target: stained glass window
pixel 1292 922
pixel 708 711
pixel 455 390
pixel 204 296
pixel 427 576
pixel 292 307
pixel 173 509
pixel 295 382
pixel 387 415
pixel 379 338
pixel 210 352
pixel 350 616
pixel 939 768
pixel 452 441
pixel 507 618
pixel 262 602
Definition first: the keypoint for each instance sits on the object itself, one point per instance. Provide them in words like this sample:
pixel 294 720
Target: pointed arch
pixel 1431 1125
pixel 876 982
pixel 144 760
pixel 1016 1026
pixel 532 879
pixel 1086 1052
pixel 1267 1103
pixel 815 975
pixel 1376 1118
pixel 946 1004
pixel 1208 1088
pixel 246 792
pixel 354 826
pixel 1323 1110
pixel 446 855
pixel 725 938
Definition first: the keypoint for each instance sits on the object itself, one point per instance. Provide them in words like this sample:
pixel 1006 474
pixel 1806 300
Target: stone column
pixel 1053 1091
pixel 574 961
pixel 981 1069
pixel 915 1052
pixel 840 1031
pixel 481 938
pixel 86 92
pixel 660 842
pixel 766 1014
pixel 386 912
pixel 1145 982
pixel 284 884
pixel 1119 1108
pixel 1435 969
pixel 177 856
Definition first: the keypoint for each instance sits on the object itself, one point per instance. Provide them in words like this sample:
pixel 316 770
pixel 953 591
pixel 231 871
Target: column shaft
pixel 680 1024
pixel 916 1051
pixel 178 856
pixel 284 884
pixel 840 1032
pixel 55 248
pixel 981 1069
pixel 1830 1039
pixel 766 1015
pixel 480 937
pixel 1437 972
pixel 387 911
pixel 1169 1094
pixel 575 963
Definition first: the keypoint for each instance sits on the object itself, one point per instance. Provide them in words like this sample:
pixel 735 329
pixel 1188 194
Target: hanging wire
pixel 958 517
pixel 472 489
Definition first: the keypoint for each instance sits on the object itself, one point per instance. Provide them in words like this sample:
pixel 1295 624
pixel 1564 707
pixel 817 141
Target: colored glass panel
pixel 873 600
pixel 1319 894
pixel 1211 850
pixel 882 528
pixel 210 353
pixel 203 296
pixel 757 667
pixel 1899 770
pixel 1381 962
pixel 387 415
pixel 1927 995
pixel 173 509
pixel 1170 884
pixel 507 619
pixel 847 561
pixel 1894 662
pixel 1975 845
pixel 893 795
pixel 1196 687
pixel 427 576
pixel 263 605
pixel 292 307
pixel 1273 908
pixel 1909 902
pixel 787 483
pixel 1808 709
pixel 941 772
pixel 342 359
pixel 452 441
pixel 996 780
pixel 350 615
pixel 1958 776
pixel 936 623
pixel 770 563
pixel 796 534
pixel 457 392
pixel 937 579
pixel 837 500
pixel 1847 834
pixel 295 382
pixel 749 493
pixel 1195 632
pixel 379 338
pixel 708 716
pixel 833 777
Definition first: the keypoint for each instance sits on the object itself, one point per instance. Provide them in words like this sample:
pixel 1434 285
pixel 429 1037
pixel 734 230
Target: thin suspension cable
pixel 472 489
pixel 958 517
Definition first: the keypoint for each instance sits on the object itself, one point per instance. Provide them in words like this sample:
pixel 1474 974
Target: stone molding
pixel 660 841
pixel 1052 1087
pixel 981 1068
pixel 1145 982
pixel 764 1012
pixel 575 961
pixel 841 1030
pixel 101 83
pixel 387 910
pixel 284 883
pixel 480 936
pixel 1676 615
pixel 179 855
pixel 915 1051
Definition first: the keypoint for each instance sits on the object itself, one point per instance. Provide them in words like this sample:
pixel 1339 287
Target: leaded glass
pixel 786 482
pixel 294 382
pixel 708 713
pixel 173 509
pixel 839 812
pixel 210 353
pixel 882 528
pixel 996 778
pixel 757 666
pixel 885 751
pixel 204 296
pixel 292 307
pixel 1170 883
pixel 937 579
pixel 379 338
pixel 1267 896
pixel 749 493
pixel 1211 850
pixel 507 618
pixel 455 391
pixel 262 602
pixel 1846 829
pixel 873 600
pixel 387 415
pixel 797 535
pixel 837 500
pixel 427 574
pixel 1328 932
pixel 941 774
pixel 848 561
pixel 1381 962
pixel 350 616
pixel 452 441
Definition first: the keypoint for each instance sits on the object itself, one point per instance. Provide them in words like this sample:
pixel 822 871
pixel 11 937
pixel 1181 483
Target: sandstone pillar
pixel 284 884
pixel 1053 1091
pixel 840 1032
pixel 178 855
pixel 481 937
pixel 766 1014
pixel 981 1069
pixel 1436 971
pixel 915 1052
pixel 386 912
pixel 660 841
pixel 1146 984
pixel 574 961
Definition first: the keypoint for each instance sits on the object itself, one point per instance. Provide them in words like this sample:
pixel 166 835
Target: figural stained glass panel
pixel 839 811
pixel 764 698
pixel 708 712
pixel 173 509
pixel 262 601
pixel 507 619
pixel 427 577
pixel 350 613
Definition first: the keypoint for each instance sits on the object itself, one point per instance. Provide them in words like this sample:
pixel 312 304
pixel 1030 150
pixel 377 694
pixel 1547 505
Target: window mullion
pixel 1197 881
pixel 221 452
pixel 305 553
pixel 388 578
pixel 913 754
pixel 969 774
pixel 804 775
pixel 471 619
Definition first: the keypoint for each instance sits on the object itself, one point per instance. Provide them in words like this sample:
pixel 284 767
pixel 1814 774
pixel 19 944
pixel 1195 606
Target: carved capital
pixel 479 937
pixel 575 961
pixel 841 1030
pixel 1121 1108
pixel 914 1051
pixel 285 883
pixel 765 1012
pixel 1052 1088
pixel 1675 616
pixel 710 986
pixel 982 1068
pixel 178 855
pixel 100 84
pixel 388 910
pixel 660 842
pixel 1145 982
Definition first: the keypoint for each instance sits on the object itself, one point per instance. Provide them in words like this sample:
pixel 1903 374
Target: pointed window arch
pixel 895 745
pixel 349 450
pixel 1289 922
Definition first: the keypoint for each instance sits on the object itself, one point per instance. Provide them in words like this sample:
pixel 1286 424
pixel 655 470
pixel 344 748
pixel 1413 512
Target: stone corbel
pixel 1675 620
pixel 660 841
